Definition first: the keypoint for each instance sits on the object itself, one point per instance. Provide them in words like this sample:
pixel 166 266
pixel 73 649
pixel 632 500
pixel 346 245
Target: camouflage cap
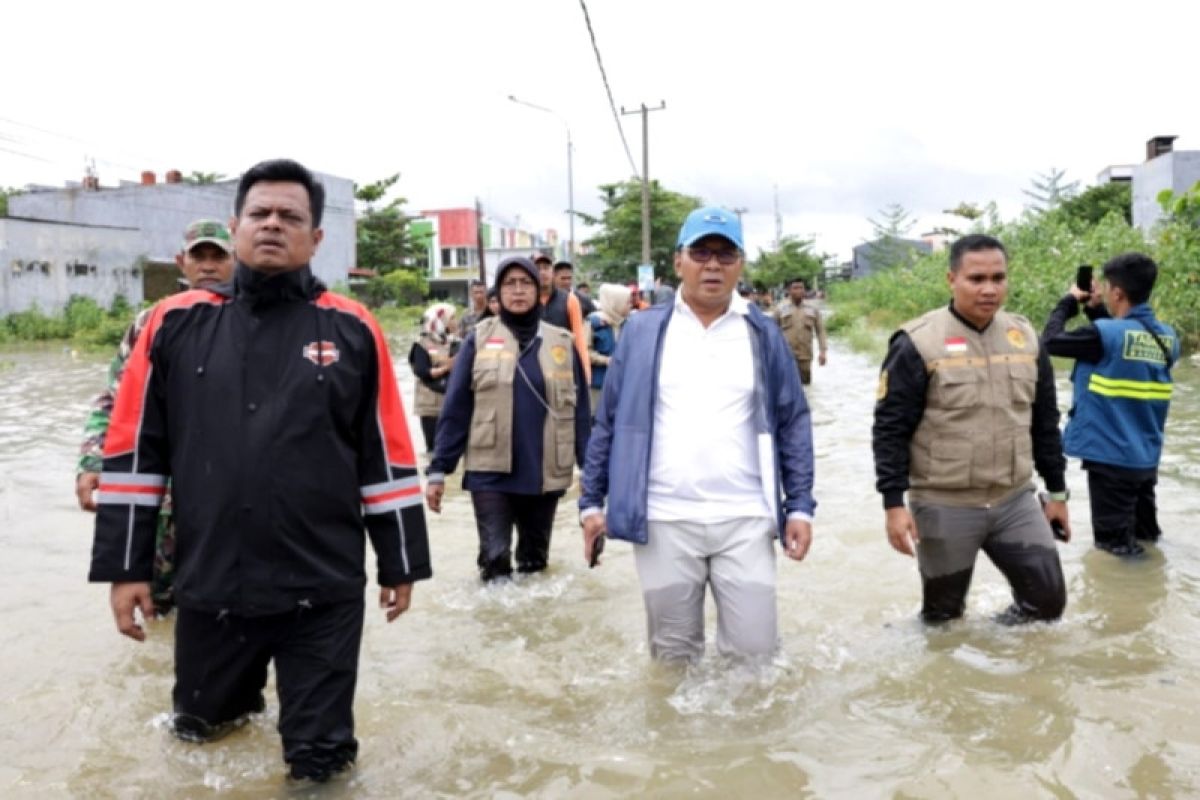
pixel 207 230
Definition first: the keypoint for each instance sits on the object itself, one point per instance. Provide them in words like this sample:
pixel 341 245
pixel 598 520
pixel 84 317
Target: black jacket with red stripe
pixel 271 405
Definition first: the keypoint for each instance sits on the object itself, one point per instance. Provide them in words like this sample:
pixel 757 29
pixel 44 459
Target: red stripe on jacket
pixel 131 392
pixel 392 419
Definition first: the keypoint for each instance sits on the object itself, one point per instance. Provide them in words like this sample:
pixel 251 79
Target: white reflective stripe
pixel 393 504
pixel 132 479
pixel 128 499
pixel 389 486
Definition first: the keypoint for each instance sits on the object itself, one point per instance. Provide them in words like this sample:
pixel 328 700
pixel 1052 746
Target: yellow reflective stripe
pixel 1135 390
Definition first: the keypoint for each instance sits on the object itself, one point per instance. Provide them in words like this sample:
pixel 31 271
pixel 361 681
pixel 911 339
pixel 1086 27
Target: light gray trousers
pixel 737 559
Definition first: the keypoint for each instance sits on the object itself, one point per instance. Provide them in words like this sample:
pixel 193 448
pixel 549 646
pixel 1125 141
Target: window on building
pixel 447 257
pixel 464 257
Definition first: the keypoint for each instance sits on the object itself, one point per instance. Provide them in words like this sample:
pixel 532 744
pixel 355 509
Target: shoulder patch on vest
pixel 559 354
pixel 1016 338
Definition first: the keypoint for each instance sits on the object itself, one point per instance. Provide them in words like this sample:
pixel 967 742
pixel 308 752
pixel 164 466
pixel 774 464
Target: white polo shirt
pixel 704 459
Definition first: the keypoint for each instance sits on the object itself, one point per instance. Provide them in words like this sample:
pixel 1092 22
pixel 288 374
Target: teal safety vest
pixel 1121 402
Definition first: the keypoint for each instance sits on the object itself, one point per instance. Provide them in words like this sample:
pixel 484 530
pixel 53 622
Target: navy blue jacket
pixel 618 456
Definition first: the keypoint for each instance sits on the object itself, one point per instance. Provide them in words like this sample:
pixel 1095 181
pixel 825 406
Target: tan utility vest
pixel 426 401
pixel 799 325
pixel 973 446
pixel 489 446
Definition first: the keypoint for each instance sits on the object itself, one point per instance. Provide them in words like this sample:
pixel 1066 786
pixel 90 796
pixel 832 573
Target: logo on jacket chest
pixel 321 353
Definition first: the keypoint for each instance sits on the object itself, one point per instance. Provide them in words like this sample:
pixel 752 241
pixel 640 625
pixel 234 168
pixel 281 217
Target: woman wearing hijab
pixel 431 357
pixel 516 406
pixel 604 328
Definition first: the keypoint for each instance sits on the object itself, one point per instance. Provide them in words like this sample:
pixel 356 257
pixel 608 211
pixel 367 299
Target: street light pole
pixel 570 172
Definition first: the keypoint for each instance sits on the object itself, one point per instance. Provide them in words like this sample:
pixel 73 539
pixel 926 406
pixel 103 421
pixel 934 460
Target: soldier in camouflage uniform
pixel 205 260
pixel 799 323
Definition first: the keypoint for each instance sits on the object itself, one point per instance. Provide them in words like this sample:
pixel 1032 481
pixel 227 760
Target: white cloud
pixel 846 107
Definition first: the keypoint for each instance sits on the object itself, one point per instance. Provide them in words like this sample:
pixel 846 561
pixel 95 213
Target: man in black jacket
pixel 272 406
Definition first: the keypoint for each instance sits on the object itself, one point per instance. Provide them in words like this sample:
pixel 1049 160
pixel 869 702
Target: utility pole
pixel 645 112
pixel 479 243
pixel 778 221
pixel 739 211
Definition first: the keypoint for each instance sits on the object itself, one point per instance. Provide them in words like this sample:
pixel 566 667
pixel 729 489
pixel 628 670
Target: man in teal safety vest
pixel 1122 380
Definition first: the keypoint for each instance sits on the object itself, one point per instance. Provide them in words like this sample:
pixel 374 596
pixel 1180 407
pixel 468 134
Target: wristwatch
pixel 1059 497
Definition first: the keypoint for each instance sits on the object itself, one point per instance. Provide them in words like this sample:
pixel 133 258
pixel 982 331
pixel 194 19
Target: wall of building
pixel 1177 171
pixel 43 264
pixel 161 211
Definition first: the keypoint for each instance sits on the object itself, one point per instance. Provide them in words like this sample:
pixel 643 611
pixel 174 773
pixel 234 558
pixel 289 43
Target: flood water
pixel 543 688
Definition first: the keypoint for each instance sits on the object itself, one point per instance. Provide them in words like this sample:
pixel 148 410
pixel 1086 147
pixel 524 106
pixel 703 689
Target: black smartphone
pixel 597 549
pixel 1083 278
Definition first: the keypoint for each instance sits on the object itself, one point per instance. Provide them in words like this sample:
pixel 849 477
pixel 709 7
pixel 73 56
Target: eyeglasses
pixel 518 283
pixel 724 257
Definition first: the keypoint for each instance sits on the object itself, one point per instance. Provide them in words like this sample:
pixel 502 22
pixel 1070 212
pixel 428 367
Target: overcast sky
pixel 846 106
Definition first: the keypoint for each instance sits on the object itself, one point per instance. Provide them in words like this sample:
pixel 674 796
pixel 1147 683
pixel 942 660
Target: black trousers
pixel 221 668
pixel 1123 505
pixel 495 515
pixel 429 432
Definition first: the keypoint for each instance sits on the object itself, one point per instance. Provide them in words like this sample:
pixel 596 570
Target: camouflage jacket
pixel 91 451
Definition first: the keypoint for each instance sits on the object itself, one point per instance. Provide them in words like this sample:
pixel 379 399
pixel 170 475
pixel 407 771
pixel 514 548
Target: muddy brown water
pixel 542 688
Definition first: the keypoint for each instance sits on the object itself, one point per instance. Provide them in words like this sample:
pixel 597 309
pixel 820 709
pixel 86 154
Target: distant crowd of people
pixel 252 439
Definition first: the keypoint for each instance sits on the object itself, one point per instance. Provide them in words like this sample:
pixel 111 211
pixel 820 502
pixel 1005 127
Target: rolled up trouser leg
pixel 1021 545
pixel 742 573
pixel 673 570
pixel 949 541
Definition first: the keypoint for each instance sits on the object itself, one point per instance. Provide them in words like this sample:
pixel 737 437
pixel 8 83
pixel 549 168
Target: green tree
pixel 617 248
pixel 385 241
pixel 1097 202
pixel 888 247
pixel 1182 208
pixel 1048 191
pixel 203 178
pixel 793 259
pixel 6 193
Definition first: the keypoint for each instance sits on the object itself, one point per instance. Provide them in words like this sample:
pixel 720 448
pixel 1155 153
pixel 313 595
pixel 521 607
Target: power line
pixel 608 90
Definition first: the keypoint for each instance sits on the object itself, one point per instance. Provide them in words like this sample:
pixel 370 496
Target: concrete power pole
pixel 645 112
pixel 778 220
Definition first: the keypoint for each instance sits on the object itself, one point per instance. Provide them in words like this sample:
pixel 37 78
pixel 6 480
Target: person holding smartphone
pixel 1122 393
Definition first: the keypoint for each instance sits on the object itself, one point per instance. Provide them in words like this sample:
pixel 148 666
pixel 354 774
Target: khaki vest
pixel 427 402
pixel 799 324
pixel 489 446
pixel 973 446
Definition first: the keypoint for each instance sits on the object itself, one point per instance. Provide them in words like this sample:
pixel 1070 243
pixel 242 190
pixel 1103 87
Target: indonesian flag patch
pixel 956 344
pixel 494 343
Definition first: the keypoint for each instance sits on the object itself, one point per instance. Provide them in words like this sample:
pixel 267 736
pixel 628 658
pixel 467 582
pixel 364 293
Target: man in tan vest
pixel 964 411
pixel 800 323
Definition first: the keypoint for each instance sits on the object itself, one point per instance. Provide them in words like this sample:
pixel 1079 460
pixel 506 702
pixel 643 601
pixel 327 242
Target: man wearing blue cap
pixel 702 445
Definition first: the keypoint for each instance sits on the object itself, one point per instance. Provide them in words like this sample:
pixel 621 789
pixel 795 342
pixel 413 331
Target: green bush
pixel 1044 252
pixel 401 287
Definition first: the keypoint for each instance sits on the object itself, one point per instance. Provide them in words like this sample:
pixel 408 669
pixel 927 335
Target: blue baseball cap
pixel 710 221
